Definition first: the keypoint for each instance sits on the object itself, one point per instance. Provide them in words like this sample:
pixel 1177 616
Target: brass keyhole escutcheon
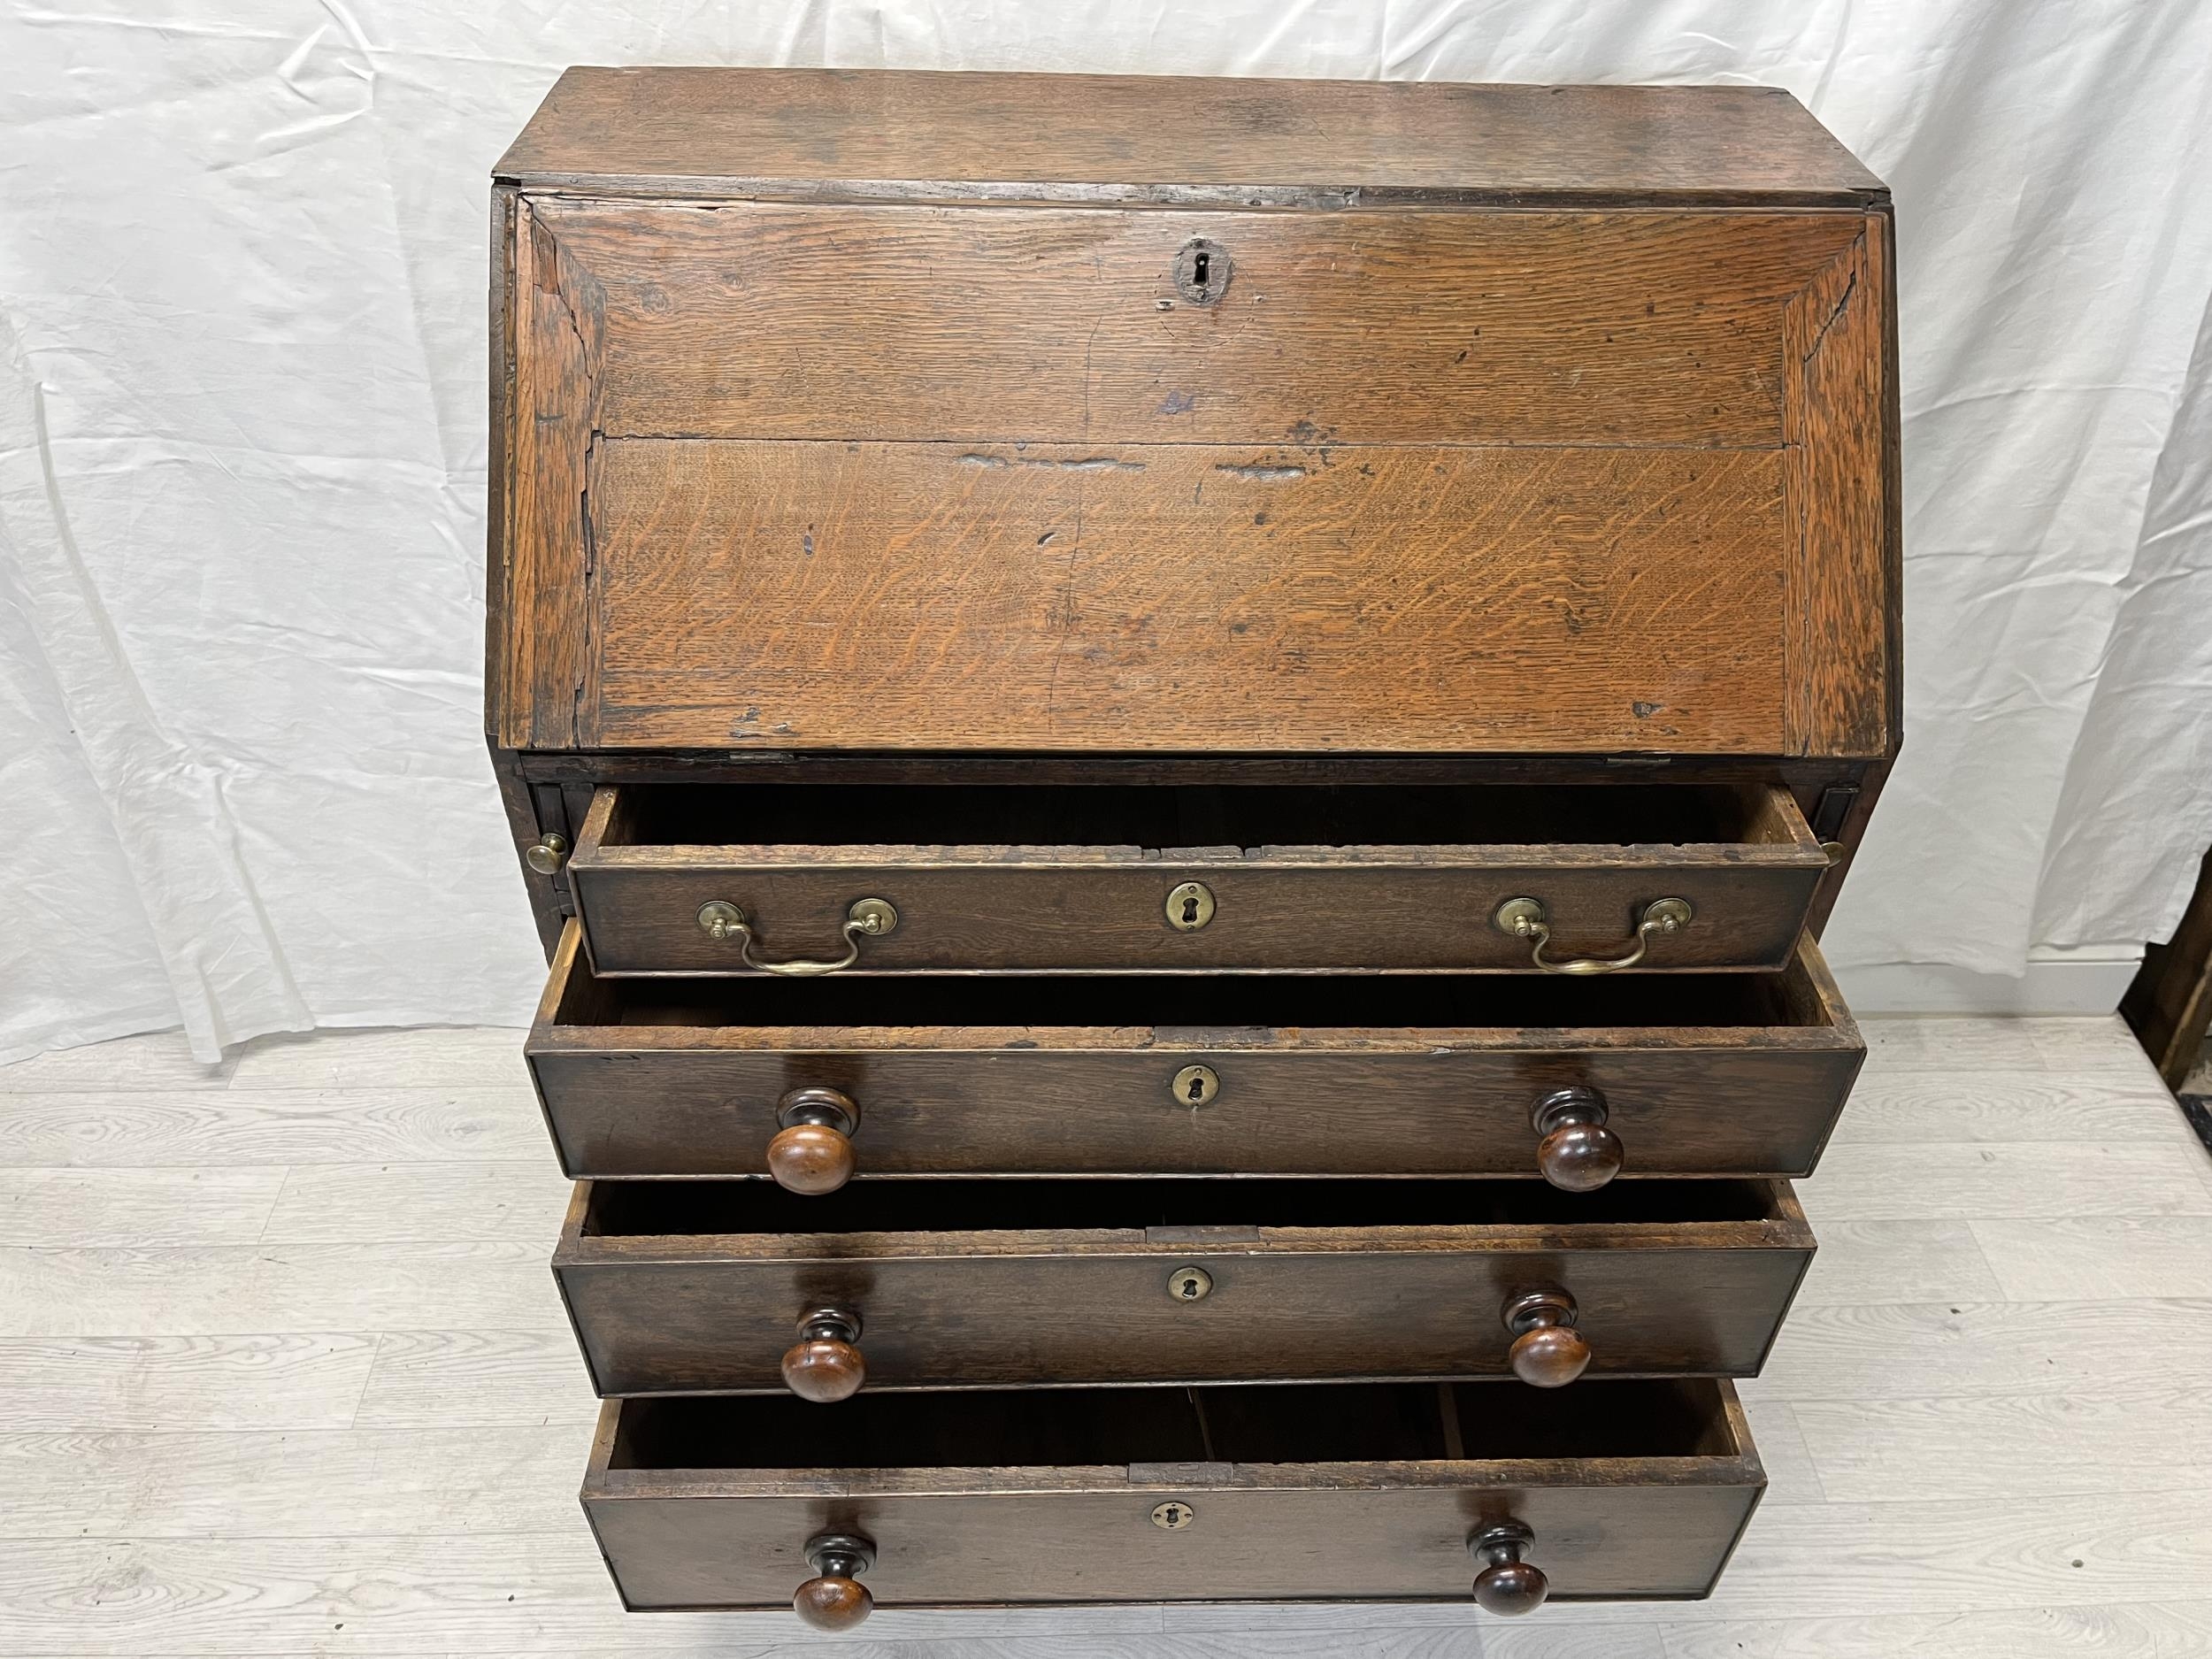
pixel 1190 1284
pixel 1190 906
pixel 1196 1085
pixel 1172 1516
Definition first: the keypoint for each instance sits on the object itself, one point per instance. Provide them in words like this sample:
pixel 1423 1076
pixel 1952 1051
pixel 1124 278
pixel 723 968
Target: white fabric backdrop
pixel 242 256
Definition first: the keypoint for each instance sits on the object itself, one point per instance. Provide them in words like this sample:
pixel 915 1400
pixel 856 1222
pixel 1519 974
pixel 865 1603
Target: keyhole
pixel 1190 909
pixel 1190 1290
pixel 1200 267
pixel 1197 1090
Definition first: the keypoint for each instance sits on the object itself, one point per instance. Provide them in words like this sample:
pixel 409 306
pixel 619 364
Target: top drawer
pixel 700 878
pixel 1028 478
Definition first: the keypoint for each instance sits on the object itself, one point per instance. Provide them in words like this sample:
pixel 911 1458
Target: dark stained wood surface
pixel 949 596
pixel 1350 905
pixel 967 1287
pixel 853 424
pixel 2170 1003
pixel 765 320
pixel 812 132
pixel 677 1534
pixel 685 1096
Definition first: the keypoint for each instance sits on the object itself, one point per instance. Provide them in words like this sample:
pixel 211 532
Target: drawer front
pixel 961 1285
pixel 1632 1526
pixel 1257 904
pixel 649 1078
pixel 1525 482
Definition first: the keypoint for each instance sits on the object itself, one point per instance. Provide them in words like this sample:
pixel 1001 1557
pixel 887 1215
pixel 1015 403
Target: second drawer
pixel 1574 1080
pixel 707 1286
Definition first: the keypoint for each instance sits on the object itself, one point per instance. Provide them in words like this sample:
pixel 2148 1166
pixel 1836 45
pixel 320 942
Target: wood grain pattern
pixel 537 610
pixel 1266 1528
pixel 866 132
pixel 84 1131
pixel 431 1378
pixel 674 1093
pixel 1979 1182
pixel 956 596
pixel 770 325
pixel 1373 897
pixel 759 320
pixel 1307 1283
pixel 1842 664
pixel 111 1484
pixel 258 1383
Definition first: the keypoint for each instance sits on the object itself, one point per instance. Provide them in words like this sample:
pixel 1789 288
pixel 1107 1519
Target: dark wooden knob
pixel 825 1364
pixel 1578 1153
pixel 834 1598
pixel 813 1150
pixel 1506 1584
pixel 1547 1351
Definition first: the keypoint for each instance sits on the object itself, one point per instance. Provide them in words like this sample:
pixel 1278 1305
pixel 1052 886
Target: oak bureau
pixel 1180 745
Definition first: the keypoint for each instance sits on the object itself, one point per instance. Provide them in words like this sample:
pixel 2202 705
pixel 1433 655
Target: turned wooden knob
pixel 825 1364
pixel 1506 1584
pixel 1547 1351
pixel 834 1598
pixel 812 1151
pixel 1578 1153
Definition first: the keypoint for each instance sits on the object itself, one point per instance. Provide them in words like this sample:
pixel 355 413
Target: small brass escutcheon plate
pixel 1194 1086
pixel 1173 1517
pixel 1190 1284
pixel 1190 906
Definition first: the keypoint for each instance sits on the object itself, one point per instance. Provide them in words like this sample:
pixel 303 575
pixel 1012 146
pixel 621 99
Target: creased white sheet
pixel 242 256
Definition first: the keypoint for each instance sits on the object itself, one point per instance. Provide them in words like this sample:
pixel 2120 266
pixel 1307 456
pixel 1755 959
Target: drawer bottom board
pixel 1631 1490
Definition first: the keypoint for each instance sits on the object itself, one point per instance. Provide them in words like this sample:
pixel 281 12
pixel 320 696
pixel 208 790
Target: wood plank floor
pixel 283 1372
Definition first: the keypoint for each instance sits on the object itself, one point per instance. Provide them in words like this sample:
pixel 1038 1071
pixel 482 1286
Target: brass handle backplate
pixel 869 919
pixel 1524 918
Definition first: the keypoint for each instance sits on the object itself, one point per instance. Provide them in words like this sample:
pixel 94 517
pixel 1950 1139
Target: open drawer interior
pixel 1315 1001
pixel 1277 1424
pixel 648 1209
pixel 1152 820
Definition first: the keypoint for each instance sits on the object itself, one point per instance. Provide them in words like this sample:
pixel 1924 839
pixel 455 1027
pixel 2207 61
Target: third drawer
pixel 945 1076
pixel 707 1286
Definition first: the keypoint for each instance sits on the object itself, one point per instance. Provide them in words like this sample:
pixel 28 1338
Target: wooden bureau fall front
pixel 1180 745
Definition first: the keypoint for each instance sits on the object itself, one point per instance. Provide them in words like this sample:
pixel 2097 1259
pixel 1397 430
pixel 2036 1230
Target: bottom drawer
pixel 1329 1492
